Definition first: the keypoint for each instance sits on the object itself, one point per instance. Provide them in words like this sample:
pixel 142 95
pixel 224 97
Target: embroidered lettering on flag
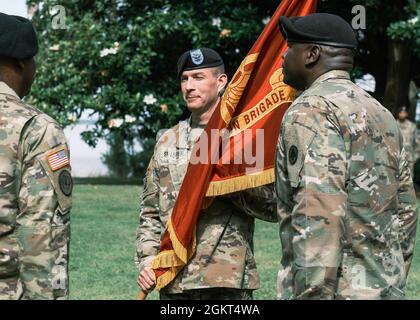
pixel 58 159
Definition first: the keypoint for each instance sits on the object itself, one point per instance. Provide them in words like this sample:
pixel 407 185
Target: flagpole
pixel 142 295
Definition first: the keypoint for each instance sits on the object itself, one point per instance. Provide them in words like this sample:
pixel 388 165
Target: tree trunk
pixel 375 63
pixel 398 78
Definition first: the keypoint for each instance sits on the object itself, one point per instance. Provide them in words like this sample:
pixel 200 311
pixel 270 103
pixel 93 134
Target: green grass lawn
pixel 104 220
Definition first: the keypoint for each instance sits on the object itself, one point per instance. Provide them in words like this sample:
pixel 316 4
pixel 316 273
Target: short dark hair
pixel 344 56
pixel 334 51
pixel 217 71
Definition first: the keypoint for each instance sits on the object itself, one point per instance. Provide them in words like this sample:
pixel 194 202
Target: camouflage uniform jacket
pixel 224 255
pixel 346 203
pixel 35 203
pixel 409 133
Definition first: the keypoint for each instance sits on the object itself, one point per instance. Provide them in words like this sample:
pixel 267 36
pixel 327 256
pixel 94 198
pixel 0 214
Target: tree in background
pixel 403 58
pixel 389 47
pixel 117 157
pixel 123 159
pixel 117 59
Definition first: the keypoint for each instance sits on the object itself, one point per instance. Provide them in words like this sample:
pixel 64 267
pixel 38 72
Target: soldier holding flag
pixel 223 266
pixel 207 239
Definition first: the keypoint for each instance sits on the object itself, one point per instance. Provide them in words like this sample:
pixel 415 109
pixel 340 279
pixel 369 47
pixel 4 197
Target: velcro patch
pixel 58 159
pixel 66 182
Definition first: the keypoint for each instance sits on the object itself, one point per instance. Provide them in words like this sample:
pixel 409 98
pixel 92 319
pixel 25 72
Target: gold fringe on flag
pixel 166 259
pixel 217 188
pixel 174 259
pixel 180 250
pixel 167 277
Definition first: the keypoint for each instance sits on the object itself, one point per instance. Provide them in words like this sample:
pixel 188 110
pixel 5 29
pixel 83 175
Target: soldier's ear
pixel 313 53
pixel 19 64
pixel 222 82
pixel 13 63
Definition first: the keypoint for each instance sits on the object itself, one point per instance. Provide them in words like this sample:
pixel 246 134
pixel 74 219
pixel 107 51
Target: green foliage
pixel 409 28
pixel 116 158
pixel 144 40
pixel 124 160
pixel 117 59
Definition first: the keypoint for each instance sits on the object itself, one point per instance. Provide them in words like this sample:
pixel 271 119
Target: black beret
pixel 17 37
pixel 321 28
pixel 198 59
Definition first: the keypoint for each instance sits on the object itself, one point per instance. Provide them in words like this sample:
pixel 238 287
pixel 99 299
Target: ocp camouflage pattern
pixel 34 212
pixel 225 253
pixel 346 203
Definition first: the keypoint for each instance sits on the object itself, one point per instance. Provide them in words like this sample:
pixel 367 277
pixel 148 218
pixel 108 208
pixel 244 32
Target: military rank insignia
pixel 66 182
pixel 293 154
pixel 58 159
pixel 197 56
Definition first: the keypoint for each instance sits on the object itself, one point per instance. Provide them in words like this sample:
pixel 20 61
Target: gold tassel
pixel 174 260
pixel 179 249
pixel 166 259
pixel 166 278
pixel 170 260
pixel 217 188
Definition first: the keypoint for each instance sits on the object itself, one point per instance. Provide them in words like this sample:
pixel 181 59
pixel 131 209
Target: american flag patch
pixel 58 159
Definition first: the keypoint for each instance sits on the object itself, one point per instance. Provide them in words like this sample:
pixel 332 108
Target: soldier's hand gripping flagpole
pixel 142 295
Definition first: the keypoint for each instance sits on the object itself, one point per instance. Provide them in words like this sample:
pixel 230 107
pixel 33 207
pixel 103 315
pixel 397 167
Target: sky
pixel 85 161
pixel 15 7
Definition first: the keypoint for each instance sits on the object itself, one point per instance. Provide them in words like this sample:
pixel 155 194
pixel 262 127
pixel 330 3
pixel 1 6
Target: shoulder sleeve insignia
pixel 58 159
pixel 293 154
pixel 66 182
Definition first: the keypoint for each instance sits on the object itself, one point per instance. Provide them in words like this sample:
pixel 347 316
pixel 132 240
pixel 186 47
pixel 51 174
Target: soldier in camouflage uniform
pixel 409 132
pixel 35 180
pixel 223 266
pixel 346 203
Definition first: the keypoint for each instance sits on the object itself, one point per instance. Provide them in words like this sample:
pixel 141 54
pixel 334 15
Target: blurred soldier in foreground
pixel 35 180
pixel 347 207
pixel 409 133
pixel 223 266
